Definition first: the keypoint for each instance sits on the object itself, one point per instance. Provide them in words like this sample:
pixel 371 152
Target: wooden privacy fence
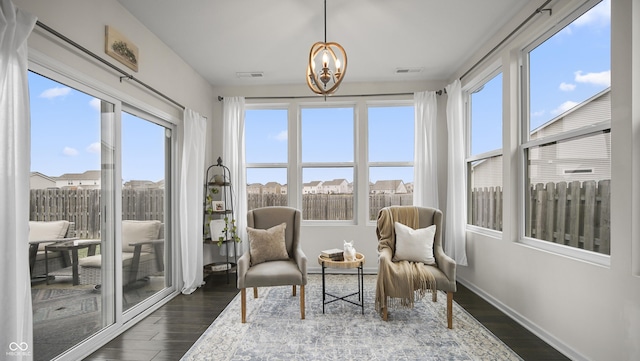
pixel 577 214
pixel 330 206
pixel 82 206
pixel 486 207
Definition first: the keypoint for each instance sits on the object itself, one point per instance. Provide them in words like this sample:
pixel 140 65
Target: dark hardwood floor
pixel 170 331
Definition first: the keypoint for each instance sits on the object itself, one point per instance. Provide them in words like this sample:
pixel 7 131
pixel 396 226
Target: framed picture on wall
pixel 120 48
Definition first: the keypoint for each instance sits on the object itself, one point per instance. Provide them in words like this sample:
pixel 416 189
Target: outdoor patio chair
pixel 43 233
pixel 142 254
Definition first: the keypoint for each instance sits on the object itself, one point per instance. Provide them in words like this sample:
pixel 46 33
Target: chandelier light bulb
pixel 325 59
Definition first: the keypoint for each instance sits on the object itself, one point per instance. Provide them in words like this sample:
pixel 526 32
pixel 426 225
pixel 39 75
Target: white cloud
pixel 94 147
pixel 564 107
pixel 567 87
pixel 281 137
pixel 71 152
pixel 55 92
pixel 598 15
pixel 95 104
pixel 603 78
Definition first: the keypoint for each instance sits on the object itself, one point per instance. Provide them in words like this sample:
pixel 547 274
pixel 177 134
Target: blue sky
pixel 328 136
pixel 65 134
pixel 566 70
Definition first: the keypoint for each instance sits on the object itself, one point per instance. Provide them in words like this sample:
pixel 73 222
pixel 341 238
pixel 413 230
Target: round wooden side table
pixel 329 263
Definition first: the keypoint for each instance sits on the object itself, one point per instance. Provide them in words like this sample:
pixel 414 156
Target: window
pixel 484 164
pixel 391 155
pixel 327 150
pixel 567 142
pixel 266 144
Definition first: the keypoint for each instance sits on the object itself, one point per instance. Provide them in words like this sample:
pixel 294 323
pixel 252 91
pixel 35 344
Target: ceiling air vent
pixel 250 74
pixel 408 70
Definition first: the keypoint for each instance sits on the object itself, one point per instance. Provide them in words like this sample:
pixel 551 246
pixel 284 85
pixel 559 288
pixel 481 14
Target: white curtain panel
pixel 16 333
pixel 456 217
pixel 425 192
pixel 191 177
pixel 233 158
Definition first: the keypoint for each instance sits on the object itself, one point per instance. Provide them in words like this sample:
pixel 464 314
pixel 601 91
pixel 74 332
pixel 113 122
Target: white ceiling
pixel 220 38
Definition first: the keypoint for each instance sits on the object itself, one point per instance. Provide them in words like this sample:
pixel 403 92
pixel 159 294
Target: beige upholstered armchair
pixel 274 257
pixel 408 267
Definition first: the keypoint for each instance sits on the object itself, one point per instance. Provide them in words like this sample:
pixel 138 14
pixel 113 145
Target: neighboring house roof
pixel 38 174
pixel 90 174
pixel 335 182
pixel 134 184
pixel 575 108
pixel 312 184
pixel 272 184
pixel 387 184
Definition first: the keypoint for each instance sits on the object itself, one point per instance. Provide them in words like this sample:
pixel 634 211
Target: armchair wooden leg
pixel 301 301
pixel 450 309
pixel 294 290
pixel 385 313
pixel 243 302
pixel 255 292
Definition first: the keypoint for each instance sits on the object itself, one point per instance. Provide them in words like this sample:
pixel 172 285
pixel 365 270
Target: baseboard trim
pixel 526 323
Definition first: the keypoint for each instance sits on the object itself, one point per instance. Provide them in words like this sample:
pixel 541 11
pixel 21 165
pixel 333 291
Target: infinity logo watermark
pixel 22 346
pixel 18 349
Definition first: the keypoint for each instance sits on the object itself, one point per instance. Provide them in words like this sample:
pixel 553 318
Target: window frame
pixel 488 75
pixel 525 143
pixel 302 165
pixel 386 164
pixel 275 165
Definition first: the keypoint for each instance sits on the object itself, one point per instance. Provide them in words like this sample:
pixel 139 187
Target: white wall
pixel 587 311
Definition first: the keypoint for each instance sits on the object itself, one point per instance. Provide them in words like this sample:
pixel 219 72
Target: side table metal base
pixel 360 292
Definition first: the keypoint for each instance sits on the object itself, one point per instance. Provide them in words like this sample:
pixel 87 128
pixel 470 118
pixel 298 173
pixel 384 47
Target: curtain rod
pixel 126 75
pixel 536 12
pixel 438 92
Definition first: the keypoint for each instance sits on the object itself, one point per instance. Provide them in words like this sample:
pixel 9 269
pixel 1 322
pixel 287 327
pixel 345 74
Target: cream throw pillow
pixel 267 244
pixel 414 245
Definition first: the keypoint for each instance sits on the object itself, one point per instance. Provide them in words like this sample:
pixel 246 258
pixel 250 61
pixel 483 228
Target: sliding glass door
pixel 99 213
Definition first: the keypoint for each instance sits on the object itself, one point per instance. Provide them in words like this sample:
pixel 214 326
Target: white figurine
pixel 349 253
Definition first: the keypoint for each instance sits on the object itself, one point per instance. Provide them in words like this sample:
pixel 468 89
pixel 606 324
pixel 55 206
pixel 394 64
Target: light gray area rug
pixel 274 330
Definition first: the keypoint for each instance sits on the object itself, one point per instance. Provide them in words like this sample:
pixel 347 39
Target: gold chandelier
pixel 326 78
